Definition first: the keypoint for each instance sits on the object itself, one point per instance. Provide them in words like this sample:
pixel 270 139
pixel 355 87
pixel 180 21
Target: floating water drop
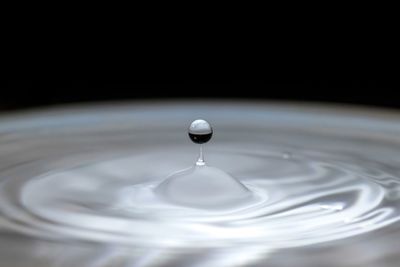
pixel 200 132
pixel 202 186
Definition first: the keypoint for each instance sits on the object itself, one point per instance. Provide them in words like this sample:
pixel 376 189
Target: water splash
pixel 203 186
pixel 78 180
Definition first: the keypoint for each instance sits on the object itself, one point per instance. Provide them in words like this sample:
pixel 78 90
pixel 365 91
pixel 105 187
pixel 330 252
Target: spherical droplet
pixel 200 131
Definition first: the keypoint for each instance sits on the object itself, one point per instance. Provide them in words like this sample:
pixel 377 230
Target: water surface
pixel 77 187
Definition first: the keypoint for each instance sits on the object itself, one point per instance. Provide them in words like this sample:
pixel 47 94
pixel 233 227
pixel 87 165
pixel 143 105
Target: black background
pixel 20 94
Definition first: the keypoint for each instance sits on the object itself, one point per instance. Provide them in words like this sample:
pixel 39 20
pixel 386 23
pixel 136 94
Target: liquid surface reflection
pixel 77 187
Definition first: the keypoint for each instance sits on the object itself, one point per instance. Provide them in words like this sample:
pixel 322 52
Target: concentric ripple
pixel 90 176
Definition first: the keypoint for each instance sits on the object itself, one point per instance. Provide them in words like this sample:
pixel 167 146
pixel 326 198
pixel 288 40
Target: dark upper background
pixel 24 93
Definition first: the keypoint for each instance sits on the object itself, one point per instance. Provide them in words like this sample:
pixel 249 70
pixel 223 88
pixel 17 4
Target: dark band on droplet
pixel 200 138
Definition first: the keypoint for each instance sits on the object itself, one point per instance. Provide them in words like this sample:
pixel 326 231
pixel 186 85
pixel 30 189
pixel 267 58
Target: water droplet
pixel 190 186
pixel 200 132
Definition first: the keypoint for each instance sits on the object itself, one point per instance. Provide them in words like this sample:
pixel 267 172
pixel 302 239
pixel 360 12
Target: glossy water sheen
pixel 77 187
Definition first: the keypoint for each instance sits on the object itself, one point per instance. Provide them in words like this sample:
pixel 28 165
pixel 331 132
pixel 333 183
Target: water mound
pixel 203 187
